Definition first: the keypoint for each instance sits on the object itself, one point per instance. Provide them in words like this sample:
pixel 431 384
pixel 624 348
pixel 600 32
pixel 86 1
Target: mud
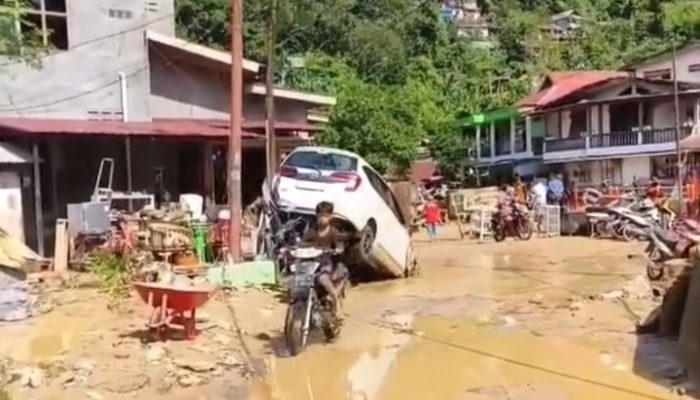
pixel 548 319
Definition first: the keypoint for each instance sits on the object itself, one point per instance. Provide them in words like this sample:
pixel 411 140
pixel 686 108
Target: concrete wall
pixel 664 114
pixel 684 59
pixel 635 167
pixel 84 79
pixel 184 90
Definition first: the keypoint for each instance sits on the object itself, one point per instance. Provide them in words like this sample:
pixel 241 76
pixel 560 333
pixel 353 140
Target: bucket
pixel 193 203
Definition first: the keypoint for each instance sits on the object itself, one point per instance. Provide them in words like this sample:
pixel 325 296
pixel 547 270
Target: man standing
pixel 539 195
pixel 555 189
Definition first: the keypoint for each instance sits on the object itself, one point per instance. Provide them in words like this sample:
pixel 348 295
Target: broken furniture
pixel 107 195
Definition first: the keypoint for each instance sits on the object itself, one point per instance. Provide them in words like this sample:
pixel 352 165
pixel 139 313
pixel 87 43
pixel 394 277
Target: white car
pixel 364 204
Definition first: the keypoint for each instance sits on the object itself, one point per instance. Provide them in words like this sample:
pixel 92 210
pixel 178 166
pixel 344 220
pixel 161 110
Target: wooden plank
pixel 60 252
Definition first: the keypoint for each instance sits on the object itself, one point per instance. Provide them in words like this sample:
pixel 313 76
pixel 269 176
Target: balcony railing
pixel 616 139
pixel 565 144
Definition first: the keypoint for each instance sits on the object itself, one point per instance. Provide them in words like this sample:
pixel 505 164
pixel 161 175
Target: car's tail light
pixel 351 179
pixel 288 172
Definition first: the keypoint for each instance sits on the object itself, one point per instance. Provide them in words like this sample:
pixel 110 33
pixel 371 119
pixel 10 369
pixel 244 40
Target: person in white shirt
pixel 539 196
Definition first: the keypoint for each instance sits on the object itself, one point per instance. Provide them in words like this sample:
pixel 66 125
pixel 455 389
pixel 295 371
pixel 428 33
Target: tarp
pixel 691 143
pixel 13 253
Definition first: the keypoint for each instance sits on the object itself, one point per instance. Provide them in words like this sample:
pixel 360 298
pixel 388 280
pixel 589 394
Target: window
pixel 385 193
pixel 658 74
pixel 694 68
pixel 120 14
pixel 38 22
pixel 322 161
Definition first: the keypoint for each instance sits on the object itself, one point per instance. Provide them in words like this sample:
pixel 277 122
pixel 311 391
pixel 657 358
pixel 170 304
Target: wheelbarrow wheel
pixel 294 327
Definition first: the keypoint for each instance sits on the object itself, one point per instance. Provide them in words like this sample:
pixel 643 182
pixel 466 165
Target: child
pixel 432 218
pixel 325 236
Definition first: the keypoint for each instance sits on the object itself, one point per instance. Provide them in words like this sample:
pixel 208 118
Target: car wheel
pixel 366 244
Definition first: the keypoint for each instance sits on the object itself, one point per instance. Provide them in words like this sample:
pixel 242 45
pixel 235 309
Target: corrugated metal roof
pixel 158 127
pixel 11 154
pixel 423 170
pixel 565 83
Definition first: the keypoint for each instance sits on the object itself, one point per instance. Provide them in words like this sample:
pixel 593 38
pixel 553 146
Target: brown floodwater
pixel 434 337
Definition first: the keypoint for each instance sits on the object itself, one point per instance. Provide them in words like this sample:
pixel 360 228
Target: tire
pixel 294 327
pixel 525 228
pixel 366 243
pixel 499 232
pixel 654 272
pixel 628 234
pixel 331 330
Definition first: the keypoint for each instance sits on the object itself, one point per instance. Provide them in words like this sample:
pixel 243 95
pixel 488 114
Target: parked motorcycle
pixel 665 245
pixel 519 224
pixel 310 307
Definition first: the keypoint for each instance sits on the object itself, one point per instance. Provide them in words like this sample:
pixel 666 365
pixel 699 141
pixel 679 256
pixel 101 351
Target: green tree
pixel 683 17
pixel 20 40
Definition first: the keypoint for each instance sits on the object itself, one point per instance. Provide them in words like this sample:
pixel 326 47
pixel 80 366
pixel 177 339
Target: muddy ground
pixel 547 319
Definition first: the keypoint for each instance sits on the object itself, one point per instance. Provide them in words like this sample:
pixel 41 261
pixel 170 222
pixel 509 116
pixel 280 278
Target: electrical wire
pixel 74 96
pixel 100 38
pixel 96 89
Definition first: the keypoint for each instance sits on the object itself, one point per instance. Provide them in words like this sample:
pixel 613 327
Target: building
pixel 598 126
pixel 467 17
pixel 660 66
pixel 612 126
pixel 120 85
pixel 564 25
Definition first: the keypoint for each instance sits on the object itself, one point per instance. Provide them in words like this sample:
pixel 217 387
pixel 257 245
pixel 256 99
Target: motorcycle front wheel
pixel 294 327
pixel 499 231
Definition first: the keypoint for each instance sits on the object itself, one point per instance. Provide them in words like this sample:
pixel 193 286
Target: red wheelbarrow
pixel 171 305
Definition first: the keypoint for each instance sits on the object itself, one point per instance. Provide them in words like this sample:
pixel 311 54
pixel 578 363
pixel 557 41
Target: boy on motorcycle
pixel 324 236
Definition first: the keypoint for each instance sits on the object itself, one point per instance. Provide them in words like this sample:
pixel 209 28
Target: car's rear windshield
pixel 321 161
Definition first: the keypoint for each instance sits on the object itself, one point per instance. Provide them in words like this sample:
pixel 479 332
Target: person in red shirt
pixel 432 218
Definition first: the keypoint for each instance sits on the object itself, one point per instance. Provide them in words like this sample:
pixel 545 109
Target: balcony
pixel 613 144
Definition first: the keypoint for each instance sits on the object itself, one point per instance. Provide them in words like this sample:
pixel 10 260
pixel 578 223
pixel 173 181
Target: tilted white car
pixel 364 204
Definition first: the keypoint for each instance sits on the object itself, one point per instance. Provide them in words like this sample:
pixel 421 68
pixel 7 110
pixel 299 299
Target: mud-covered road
pixel 549 319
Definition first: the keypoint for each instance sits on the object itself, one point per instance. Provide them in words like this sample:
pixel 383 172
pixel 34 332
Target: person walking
pixel 431 211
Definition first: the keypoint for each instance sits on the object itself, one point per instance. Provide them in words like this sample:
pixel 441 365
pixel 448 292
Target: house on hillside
pixel 467 17
pixel 564 25
pixel 120 85
pixel 611 125
pixel 660 66
pixel 596 125
pixel 501 142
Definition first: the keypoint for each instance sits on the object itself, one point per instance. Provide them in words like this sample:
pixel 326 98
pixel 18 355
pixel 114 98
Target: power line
pixel 104 37
pixel 74 96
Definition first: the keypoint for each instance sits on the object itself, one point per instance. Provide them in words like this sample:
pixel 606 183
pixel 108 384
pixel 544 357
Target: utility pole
pixel 270 148
pixel 679 176
pixel 235 135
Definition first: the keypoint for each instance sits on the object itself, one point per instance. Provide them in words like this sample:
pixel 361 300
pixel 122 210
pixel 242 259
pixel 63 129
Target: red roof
pixel 565 83
pixel 423 170
pixel 157 127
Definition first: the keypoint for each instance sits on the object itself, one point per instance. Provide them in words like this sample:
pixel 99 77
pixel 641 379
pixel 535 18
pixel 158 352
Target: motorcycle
pixel 665 245
pixel 310 307
pixel 519 224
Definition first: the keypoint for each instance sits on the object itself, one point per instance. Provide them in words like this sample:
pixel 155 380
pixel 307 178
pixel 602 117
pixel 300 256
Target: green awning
pixel 499 114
